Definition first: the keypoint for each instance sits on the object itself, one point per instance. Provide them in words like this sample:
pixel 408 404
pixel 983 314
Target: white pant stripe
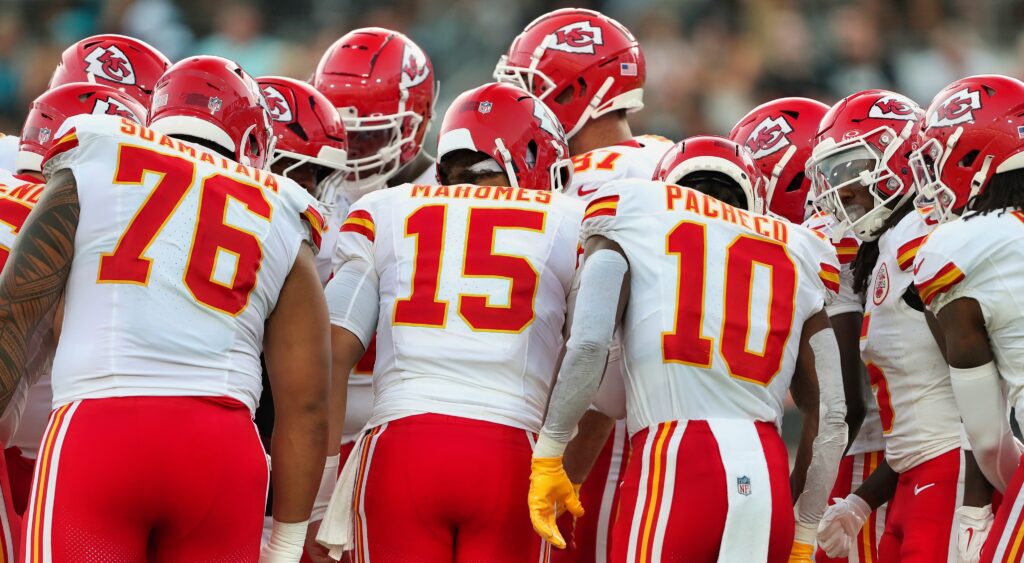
pixel 671 457
pixel 641 496
pixel 1010 530
pixel 748 520
pixel 362 491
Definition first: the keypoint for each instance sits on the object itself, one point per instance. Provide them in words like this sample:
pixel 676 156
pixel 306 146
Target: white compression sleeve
pixel 983 409
pixel 831 441
pixel 353 300
pixel 587 350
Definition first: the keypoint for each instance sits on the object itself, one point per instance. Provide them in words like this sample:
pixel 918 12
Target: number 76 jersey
pixel 473 287
pixel 180 255
pixel 718 299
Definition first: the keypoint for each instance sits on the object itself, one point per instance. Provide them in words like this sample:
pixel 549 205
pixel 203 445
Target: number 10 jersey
pixel 179 257
pixel 718 299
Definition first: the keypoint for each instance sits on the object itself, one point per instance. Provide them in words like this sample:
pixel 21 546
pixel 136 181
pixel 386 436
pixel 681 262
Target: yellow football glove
pixel 551 493
pixel 801 553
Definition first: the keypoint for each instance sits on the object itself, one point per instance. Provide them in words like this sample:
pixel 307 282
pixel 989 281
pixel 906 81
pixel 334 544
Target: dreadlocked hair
pixel 1005 190
pixel 867 255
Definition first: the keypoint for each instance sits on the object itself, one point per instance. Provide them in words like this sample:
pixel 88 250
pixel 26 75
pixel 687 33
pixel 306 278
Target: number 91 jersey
pixel 180 255
pixel 718 299
pixel 473 287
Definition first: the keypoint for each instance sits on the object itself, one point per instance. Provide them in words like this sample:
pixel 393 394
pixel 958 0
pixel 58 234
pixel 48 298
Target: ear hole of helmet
pixel 252 146
pixel 968 159
pixel 298 130
pixel 566 95
pixel 796 183
pixel 531 154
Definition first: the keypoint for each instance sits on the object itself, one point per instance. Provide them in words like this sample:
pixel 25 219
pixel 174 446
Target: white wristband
pixel 548 447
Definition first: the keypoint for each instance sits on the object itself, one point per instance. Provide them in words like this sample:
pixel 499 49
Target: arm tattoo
pixel 33 279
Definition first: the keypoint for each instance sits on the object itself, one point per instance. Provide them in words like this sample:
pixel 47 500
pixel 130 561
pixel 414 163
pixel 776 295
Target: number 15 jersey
pixel 473 287
pixel 179 257
pixel 718 299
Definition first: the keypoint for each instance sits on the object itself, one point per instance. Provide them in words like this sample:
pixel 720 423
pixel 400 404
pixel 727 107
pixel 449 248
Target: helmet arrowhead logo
pixel 770 136
pixel 414 66
pixel 957 108
pixel 110 63
pixel 110 106
pixel 577 37
pixel 277 105
pixel 893 107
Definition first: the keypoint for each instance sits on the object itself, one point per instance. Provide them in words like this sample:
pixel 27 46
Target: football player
pixel 469 281
pixel 383 86
pixel 779 135
pixel 180 260
pixel 861 176
pixel 310 148
pixel 590 70
pixel 967 273
pixel 703 398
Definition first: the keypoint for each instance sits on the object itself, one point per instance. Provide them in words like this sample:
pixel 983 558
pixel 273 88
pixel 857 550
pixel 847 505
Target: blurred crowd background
pixel 708 61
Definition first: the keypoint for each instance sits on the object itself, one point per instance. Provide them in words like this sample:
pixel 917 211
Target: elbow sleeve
pixel 984 412
pixel 586 353
pixel 353 300
pixel 831 440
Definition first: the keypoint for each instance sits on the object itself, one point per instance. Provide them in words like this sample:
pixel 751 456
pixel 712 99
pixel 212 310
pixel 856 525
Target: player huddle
pixel 555 341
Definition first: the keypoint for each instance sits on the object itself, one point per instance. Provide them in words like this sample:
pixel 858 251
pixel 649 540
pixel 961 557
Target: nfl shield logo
pixel 1020 131
pixel 743 485
pixel 485 107
pixel 214 104
pixel 44 134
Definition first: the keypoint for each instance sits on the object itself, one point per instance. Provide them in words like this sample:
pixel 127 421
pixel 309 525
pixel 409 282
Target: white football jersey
pixel 981 257
pixel 473 288
pixel 635 159
pixel 870 437
pixel 17 197
pixel 180 255
pixel 909 377
pixel 718 300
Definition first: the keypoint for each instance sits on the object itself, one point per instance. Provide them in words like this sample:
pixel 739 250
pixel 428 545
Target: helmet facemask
pixel 860 162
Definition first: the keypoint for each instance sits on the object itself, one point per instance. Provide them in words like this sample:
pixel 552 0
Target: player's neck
pixel 413 169
pixel 605 131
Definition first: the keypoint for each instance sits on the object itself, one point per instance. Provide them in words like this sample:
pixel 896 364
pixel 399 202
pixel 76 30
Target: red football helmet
pixel 707 153
pixel 125 63
pixel 583 64
pixel 865 140
pixel 383 85
pixel 778 135
pixel 515 128
pixel 46 116
pixel 973 130
pixel 308 130
pixel 213 99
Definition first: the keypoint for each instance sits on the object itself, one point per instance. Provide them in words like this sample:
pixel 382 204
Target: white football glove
pixel 974 524
pixel 841 524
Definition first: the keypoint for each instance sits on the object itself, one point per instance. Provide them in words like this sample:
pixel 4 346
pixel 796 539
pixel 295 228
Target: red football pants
pixel 589 538
pixel 853 471
pixel 698 490
pixel 147 479
pixel 1005 541
pixel 919 527
pixel 10 520
pixel 442 488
